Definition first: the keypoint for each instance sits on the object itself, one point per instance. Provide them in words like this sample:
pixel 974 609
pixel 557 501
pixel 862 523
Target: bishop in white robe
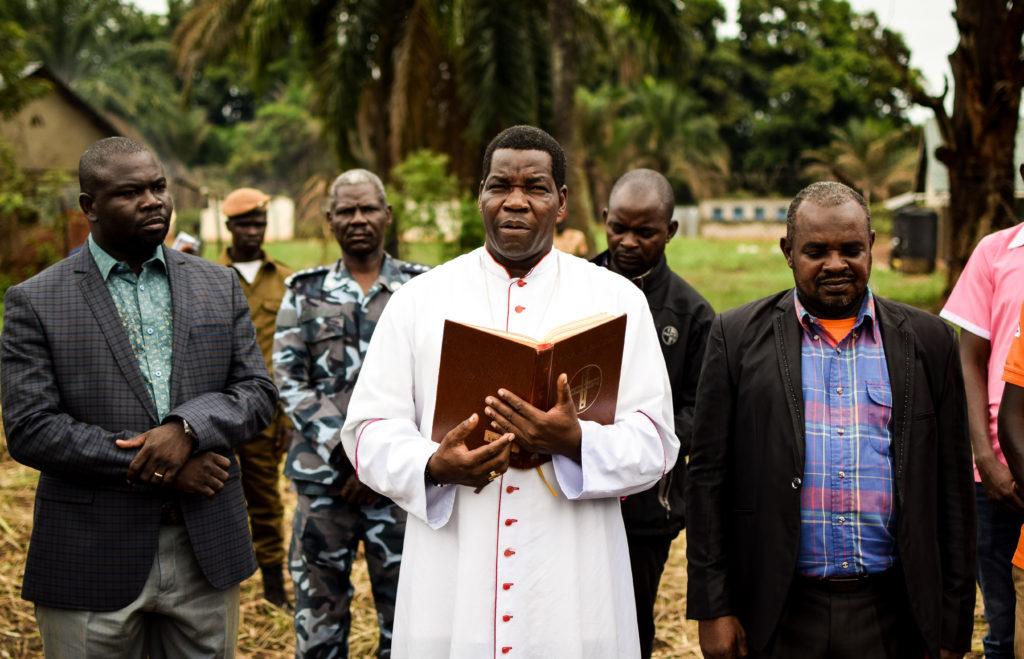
pixel 515 570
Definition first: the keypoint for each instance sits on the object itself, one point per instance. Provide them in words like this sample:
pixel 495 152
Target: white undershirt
pixel 248 269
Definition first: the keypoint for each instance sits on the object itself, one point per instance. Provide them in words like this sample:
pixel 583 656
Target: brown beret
pixel 244 201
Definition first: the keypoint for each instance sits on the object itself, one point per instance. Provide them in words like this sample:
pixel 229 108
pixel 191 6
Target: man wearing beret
pixel 262 280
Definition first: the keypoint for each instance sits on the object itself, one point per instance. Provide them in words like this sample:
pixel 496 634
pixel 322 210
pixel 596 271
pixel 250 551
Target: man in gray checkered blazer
pixel 128 372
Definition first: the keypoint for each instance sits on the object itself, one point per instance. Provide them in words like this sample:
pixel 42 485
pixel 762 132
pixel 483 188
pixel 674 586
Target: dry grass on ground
pixel 266 632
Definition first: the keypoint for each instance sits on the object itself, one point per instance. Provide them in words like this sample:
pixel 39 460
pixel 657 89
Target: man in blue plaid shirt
pixel 830 498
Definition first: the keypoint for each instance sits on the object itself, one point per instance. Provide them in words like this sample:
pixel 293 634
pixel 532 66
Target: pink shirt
pixel 986 301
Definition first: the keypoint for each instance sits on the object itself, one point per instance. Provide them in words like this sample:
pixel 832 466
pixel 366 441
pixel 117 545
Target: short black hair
pixel 827 194
pixel 97 155
pixel 648 180
pixel 527 138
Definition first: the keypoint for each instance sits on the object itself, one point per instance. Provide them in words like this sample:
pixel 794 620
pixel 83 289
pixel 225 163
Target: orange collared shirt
pixel 1013 373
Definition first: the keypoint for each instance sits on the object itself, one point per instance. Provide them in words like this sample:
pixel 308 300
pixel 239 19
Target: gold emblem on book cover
pixel 490 436
pixel 585 386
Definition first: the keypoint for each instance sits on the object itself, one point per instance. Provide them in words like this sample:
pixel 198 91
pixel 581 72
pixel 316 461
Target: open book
pixel 477 361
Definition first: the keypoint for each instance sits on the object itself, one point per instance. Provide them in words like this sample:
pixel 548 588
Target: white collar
pixel 1018 240
pixel 546 263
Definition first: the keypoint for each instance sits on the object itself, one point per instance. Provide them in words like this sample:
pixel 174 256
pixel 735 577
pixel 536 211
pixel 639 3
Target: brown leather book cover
pixel 476 362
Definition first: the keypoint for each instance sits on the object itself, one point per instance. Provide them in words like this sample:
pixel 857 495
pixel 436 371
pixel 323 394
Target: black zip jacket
pixel 683 320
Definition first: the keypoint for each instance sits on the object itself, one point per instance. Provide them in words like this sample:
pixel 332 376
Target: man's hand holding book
pixel 554 432
pixel 455 463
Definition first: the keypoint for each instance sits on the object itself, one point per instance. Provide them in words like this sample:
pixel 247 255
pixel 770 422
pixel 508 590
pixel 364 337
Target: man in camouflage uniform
pixel 323 329
pixel 262 280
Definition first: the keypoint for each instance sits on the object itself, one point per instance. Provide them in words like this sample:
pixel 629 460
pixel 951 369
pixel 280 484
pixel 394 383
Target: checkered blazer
pixel 71 385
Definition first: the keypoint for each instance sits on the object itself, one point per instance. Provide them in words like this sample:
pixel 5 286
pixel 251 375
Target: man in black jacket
pixel 638 222
pixel 829 488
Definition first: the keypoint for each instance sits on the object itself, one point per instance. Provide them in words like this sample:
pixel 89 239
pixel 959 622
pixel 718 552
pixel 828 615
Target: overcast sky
pixel 926 25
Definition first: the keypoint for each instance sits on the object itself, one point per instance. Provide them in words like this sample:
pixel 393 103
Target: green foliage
pixel 281 148
pixel 807 66
pixel 471 231
pixel 260 92
pixel 507 48
pixel 421 188
pixel 31 220
pixel 651 124
pixel 872 156
pixel 426 198
pixel 423 176
pixel 15 90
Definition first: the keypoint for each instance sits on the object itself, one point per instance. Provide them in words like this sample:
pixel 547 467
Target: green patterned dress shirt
pixel 143 302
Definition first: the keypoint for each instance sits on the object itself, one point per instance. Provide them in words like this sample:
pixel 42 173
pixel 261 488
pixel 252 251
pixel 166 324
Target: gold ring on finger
pixel 491 476
pixel 158 475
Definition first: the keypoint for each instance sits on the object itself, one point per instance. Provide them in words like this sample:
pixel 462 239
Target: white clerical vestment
pixel 512 571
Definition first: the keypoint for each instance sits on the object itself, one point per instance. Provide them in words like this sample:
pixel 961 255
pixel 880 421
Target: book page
pixel 576 327
pixel 511 336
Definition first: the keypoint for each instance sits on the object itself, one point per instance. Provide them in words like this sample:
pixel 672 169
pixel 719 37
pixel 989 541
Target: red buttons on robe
pixel 520 283
pixel 520 308
pixel 509 553
pixel 506 649
pixel 511 488
pixel 506 586
pixel 510 521
pixel 506 618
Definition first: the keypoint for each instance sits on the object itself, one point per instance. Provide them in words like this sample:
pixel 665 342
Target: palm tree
pixel 73 37
pixel 871 156
pixel 393 76
pixel 678 138
pixel 651 124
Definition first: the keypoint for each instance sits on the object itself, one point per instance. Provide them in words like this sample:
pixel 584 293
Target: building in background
pixel 766 209
pixel 49 135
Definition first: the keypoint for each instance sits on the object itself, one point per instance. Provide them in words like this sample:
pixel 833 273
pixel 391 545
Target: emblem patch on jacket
pixel 669 335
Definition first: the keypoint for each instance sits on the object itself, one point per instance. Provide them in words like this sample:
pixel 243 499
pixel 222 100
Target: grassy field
pixel 728 272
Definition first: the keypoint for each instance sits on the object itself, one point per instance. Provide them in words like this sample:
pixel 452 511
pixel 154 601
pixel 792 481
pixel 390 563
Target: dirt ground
pixel 264 631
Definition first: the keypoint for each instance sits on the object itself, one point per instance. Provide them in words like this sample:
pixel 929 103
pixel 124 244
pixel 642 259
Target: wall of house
pixel 50 133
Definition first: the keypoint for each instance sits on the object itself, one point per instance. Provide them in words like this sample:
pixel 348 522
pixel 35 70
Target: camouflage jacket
pixel 323 329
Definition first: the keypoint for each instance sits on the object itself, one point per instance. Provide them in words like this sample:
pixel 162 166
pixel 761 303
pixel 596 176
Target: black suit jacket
pixel 682 318
pixel 71 385
pixel 747 460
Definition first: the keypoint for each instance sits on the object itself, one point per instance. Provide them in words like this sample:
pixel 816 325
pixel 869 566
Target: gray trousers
pixel 178 614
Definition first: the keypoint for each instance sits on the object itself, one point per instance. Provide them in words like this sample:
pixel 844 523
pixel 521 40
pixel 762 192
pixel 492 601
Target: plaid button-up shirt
pixel 846 505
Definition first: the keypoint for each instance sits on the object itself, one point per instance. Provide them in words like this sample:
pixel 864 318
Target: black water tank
pixel 915 234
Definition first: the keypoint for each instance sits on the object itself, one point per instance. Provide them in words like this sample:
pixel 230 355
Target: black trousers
pixel 859 620
pixel 647 556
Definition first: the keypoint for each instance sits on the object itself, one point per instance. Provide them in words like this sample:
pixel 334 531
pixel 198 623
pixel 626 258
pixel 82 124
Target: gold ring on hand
pixel 491 476
pixel 157 474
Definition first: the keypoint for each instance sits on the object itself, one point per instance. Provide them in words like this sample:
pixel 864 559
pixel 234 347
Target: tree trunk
pixel 564 76
pixel 980 135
